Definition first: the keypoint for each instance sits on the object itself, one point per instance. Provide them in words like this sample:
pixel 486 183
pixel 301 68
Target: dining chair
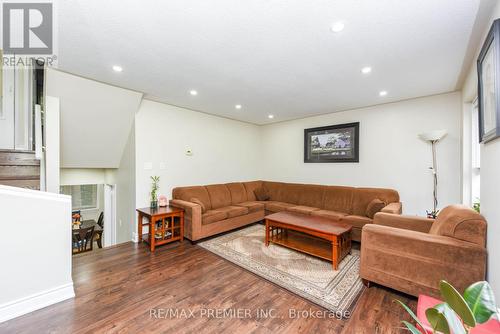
pixel 82 239
pixel 100 221
pixel 98 233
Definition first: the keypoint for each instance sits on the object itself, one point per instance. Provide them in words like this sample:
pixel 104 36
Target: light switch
pixel 148 166
pixel 163 166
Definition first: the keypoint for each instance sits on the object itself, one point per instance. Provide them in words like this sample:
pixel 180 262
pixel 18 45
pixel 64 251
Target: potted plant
pixel 154 190
pixel 477 205
pixel 457 314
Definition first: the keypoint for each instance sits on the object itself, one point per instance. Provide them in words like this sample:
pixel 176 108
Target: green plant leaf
pixel 481 300
pixel 453 298
pixel 410 312
pixel 452 318
pixel 411 328
pixel 437 320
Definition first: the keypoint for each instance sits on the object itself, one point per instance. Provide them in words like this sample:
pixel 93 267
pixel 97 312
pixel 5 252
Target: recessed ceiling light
pixel 338 26
pixel 238 106
pixel 270 116
pixel 193 92
pixel 366 70
pixel 383 93
pixel 117 68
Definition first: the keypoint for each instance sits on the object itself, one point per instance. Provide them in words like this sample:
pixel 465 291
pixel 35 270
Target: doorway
pixel 93 216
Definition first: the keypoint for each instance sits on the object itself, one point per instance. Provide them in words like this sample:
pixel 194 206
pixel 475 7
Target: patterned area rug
pixel 310 277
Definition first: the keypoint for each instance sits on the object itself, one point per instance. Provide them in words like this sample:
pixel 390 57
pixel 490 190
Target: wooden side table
pixel 166 225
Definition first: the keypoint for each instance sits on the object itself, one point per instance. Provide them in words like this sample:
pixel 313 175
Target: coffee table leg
pixel 335 255
pixel 267 233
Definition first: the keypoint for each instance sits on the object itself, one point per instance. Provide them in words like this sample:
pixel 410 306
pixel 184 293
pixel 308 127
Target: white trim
pixel 134 237
pixel 29 193
pixel 36 301
pixel 109 215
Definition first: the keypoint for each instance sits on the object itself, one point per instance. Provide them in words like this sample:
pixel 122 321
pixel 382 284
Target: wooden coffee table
pixel 318 236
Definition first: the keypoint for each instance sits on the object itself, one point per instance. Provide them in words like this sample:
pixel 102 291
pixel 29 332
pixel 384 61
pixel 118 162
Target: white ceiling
pixel 272 57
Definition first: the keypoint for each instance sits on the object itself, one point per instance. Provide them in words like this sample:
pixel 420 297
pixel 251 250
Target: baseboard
pixel 36 301
pixel 134 237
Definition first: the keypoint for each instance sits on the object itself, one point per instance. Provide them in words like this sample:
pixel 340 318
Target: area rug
pixel 310 277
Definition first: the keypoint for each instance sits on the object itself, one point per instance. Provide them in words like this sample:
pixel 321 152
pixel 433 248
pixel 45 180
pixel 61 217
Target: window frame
pixel 80 207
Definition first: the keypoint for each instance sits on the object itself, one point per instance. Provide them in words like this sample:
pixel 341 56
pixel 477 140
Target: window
pixel 83 197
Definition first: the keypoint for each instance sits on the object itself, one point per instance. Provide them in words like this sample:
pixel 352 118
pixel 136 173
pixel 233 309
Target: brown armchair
pixel 412 254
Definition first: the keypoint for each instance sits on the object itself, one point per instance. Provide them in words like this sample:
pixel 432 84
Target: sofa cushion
pixel 363 197
pixel 261 194
pixel 186 193
pixel 250 188
pixel 275 206
pixel 212 216
pixel 311 195
pixel 460 222
pixel 338 199
pixel 219 195
pixel 238 192
pixel 335 215
pixel 200 203
pixel 252 206
pixel 356 221
pixel 376 205
pixel 302 209
pixel 356 234
pixel 234 211
pixel 284 192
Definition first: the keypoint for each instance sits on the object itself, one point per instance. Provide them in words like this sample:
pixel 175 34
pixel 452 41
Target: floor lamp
pixel 433 137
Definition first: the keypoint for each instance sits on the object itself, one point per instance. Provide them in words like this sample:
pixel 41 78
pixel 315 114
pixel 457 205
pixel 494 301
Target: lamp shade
pixel 433 135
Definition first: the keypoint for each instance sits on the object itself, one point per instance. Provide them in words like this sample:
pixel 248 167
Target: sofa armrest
pixel 413 223
pixel 415 262
pixel 192 218
pixel 395 208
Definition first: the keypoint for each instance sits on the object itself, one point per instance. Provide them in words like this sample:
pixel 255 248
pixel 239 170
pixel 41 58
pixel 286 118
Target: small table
pixel 307 234
pixel 166 224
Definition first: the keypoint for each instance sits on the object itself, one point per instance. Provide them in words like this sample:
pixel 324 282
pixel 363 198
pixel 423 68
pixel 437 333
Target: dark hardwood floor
pixel 125 289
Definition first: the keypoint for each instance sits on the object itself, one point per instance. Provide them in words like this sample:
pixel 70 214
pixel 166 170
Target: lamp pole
pixel 433 137
pixel 434 172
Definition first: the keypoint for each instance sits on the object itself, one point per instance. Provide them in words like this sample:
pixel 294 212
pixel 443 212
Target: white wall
pixel 490 171
pixel 76 176
pixel 223 150
pixel 36 268
pixel 124 179
pixel 391 154
pixel 52 145
pixel 96 119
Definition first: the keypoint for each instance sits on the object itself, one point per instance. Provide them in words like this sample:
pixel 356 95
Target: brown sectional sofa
pixel 223 207
pixel 412 254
